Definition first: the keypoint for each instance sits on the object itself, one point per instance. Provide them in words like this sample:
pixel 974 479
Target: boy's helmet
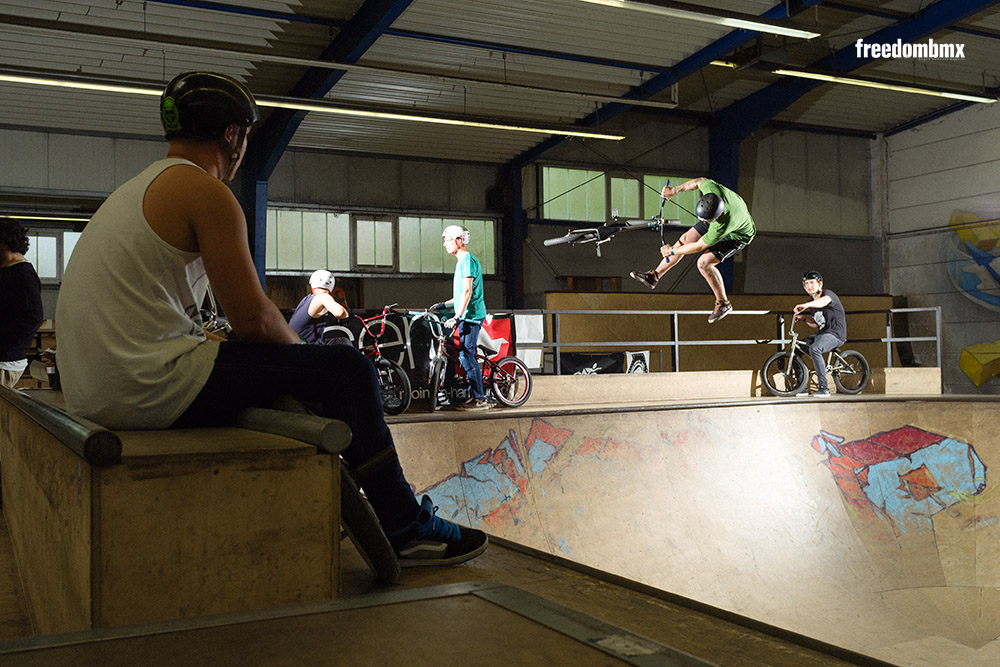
pixel 456 232
pixel 812 275
pixel 322 279
pixel 201 105
pixel 709 207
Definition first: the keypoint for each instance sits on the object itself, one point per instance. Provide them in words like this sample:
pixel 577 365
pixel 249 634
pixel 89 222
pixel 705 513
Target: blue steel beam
pixel 370 22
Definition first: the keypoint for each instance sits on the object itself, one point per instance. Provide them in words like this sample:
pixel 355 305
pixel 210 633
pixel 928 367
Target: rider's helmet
pixel 456 232
pixel 812 275
pixel 201 105
pixel 709 207
pixel 322 279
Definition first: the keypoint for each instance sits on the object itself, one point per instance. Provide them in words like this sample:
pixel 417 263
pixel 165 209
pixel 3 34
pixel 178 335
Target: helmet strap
pixel 234 154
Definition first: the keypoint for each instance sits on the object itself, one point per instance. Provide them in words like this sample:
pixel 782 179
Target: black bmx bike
pixel 507 378
pixel 392 379
pixel 785 373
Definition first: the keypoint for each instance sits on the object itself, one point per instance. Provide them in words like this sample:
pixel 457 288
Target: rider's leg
pixel 340 379
pixel 708 265
pixel 467 357
pixel 689 236
pixel 820 345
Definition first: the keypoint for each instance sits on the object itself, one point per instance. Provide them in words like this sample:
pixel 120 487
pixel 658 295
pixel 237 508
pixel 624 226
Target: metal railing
pixel 556 345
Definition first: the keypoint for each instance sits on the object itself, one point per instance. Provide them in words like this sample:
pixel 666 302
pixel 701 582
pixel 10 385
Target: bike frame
pixel 376 351
pixel 799 348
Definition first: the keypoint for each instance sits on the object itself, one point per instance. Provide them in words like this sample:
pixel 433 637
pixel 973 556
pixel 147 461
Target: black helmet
pixel 812 275
pixel 201 105
pixel 709 207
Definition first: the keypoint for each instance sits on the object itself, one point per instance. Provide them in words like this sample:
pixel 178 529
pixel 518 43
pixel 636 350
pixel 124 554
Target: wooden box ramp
pixel 480 624
pixel 113 528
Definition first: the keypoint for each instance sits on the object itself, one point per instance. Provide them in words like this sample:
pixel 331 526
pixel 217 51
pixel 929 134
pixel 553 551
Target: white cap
pixel 456 232
pixel 322 279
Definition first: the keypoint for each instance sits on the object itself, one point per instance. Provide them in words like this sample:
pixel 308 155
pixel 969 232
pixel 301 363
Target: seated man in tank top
pixel 132 352
pixel 309 318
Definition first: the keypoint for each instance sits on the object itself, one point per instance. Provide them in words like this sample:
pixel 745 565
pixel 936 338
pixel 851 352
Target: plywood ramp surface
pixel 867 525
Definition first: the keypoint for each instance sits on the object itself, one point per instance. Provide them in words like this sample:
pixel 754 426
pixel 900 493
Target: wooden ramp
pixel 870 524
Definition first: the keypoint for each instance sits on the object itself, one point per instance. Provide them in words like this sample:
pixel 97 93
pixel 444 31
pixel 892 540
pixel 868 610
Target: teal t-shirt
pixel 735 222
pixel 468 267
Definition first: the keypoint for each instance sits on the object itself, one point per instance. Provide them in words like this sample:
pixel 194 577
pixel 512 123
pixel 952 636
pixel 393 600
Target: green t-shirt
pixel 735 222
pixel 468 267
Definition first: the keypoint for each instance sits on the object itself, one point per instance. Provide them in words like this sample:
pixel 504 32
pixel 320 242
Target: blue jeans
pixel 339 378
pixel 820 344
pixel 469 333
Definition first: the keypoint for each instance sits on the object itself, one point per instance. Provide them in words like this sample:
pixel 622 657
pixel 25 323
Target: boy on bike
pixel 132 352
pixel 724 228
pixel 823 312
pixel 470 309
pixel 309 318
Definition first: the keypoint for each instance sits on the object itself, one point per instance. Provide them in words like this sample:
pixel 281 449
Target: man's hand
pixel 668 192
pixel 667 251
pixel 799 308
pixel 451 323
pixel 438 306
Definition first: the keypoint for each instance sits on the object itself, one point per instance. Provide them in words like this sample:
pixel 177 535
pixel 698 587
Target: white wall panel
pixel 81 163
pixel 25 162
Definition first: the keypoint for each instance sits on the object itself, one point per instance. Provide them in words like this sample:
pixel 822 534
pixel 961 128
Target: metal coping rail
pixel 93 443
pixel 556 344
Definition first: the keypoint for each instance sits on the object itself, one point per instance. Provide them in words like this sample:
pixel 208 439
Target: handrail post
pixel 937 333
pixel 675 338
pixel 888 338
pixel 556 340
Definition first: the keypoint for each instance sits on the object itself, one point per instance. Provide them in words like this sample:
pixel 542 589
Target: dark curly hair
pixel 13 236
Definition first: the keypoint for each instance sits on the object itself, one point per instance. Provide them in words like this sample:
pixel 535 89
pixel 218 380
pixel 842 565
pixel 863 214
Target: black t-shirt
pixel 831 318
pixel 20 309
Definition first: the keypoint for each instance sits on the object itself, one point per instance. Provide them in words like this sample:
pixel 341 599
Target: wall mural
pixel 974 269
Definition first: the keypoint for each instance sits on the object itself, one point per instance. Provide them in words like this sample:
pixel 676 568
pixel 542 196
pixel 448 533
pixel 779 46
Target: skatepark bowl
pixel 869 523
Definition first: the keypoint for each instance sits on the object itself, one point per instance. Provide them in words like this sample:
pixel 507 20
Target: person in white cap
pixel 309 318
pixel 470 309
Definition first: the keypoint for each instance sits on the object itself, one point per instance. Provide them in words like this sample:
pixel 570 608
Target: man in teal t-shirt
pixel 470 309
pixel 724 228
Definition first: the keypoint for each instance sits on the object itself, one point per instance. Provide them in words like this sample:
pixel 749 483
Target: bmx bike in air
pixel 507 378
pixel 785 373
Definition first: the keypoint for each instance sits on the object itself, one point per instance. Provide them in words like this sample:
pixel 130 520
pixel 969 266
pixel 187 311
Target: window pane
pixel 314 240
pixel 338 242
pixel 432 253
pixel 574 194
pixel 271 253
pixel 289 239
pixel 489 259
pixel 69 243
pixel 409 245
pixel 625 197
pixel 45 247
pixel 364 234
pixel 680 207
pixel 555 183
pixel 383 243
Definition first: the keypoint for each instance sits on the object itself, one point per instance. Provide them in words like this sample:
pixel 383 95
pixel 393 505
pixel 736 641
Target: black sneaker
pixel 822 393
pixel 431 540
pixel 647 278
pixel 722 309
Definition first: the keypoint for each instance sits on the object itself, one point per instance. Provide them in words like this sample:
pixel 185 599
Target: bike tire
pixel 854 378
pixel 363 527
pixel 395 386
pixel 510 381
pixel 437 383
pixel 782 382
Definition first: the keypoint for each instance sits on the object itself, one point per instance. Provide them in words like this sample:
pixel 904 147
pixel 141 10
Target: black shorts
pixel 724 248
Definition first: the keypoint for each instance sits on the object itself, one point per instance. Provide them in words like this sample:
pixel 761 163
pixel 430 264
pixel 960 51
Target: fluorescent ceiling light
pixel 687 12
pixel 320 106
pixel 884 86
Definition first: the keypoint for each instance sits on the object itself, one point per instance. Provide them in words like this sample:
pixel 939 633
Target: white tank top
pixel 129 345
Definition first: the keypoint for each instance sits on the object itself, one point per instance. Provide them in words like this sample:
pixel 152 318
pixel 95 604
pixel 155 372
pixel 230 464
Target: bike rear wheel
pixel 510 381
pixel 438 369
pixel 851 372
pixel 782 378
pixel 395 386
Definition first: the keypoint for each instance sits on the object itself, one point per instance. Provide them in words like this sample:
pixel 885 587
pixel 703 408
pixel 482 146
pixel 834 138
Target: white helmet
pixel 322 279
pixel 456 232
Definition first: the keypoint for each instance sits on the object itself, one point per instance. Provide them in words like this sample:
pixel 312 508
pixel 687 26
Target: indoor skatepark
pixel 679 517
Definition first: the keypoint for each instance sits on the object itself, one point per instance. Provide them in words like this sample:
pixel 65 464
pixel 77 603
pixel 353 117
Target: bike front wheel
pixel 510 381
pixel 395 386
pixel 851 372
pixel 438 369
pixel 784 378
